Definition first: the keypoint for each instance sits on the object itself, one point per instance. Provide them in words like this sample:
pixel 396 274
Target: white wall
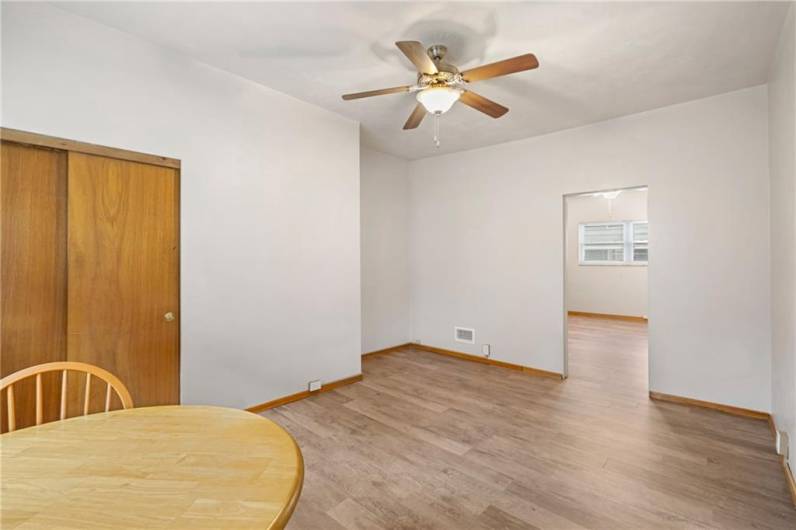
pixel 270 196
pixel 384 190
pixel 486 242
pixel 605 289
pixel 782 134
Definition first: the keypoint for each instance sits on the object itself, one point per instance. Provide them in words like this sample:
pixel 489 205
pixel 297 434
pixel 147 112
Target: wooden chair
pixel 111 382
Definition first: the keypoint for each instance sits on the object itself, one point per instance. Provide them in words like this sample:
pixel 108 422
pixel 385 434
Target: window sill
pixel 613 264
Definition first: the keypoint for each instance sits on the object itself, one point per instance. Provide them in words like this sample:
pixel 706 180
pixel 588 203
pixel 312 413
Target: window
pixel 639 241
pixel 613 243
pixel 602 243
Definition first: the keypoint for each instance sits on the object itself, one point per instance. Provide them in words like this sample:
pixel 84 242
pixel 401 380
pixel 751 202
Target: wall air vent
pixel 464 335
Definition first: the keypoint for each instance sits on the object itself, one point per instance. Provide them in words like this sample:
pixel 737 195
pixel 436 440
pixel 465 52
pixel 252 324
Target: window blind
pixel 640 251
pixel 614 243
pixel 603 242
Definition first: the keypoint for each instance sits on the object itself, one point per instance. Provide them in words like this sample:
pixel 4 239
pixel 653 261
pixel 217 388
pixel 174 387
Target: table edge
pixel 286 513
pixel 283 517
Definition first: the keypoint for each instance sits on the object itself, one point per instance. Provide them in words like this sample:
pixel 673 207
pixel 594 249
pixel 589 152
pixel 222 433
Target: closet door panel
pixel 33 266
pixel 123 269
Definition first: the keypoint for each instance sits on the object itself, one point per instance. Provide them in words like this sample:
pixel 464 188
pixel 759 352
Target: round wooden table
pixel 154 467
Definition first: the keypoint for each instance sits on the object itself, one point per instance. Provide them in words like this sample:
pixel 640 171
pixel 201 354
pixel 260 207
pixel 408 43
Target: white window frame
pixel 631 231
pixel 627 243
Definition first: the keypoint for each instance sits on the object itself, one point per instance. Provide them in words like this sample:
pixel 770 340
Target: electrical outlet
pixel 417 341
pixel 486 350
pixel 315 385
pixel 782 444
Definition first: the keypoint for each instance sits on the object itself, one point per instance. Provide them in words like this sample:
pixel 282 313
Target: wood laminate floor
pixel 428 441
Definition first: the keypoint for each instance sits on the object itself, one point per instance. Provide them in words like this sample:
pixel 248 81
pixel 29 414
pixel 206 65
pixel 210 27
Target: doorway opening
pixel 606 258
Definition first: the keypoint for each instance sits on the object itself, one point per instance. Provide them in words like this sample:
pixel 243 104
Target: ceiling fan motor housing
pixel 437 53
pixel 441 78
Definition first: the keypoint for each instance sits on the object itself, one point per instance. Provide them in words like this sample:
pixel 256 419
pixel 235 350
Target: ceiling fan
pixel 440 84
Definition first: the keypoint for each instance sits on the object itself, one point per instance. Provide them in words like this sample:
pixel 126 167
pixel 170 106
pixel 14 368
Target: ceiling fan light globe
pixel 438 100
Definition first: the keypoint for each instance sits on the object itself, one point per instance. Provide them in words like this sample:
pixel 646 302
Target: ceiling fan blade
pixel 416 53
pixel 416 117
pixel 508 66
pixel 487 106
pixel 381 92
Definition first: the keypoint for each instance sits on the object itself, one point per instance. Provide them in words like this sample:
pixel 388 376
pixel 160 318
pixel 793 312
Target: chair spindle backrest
pixel 112 383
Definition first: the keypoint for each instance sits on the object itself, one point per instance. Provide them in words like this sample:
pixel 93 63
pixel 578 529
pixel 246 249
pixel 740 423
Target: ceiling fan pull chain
pixel 436 129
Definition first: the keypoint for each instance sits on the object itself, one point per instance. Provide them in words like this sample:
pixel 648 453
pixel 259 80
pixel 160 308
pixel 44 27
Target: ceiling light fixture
pixel 438 100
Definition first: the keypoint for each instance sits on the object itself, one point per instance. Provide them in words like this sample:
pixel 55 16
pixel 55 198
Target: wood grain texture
pixel 327 387
pixel 480 103
pixel 500 68
pixel 414 119
pixel 789 479
pixel 113 386
pixel 429 441
pixel 33 262
pixel 605 315
pixel 379 92
pixel 11 408
pixel 123 268
pixel 786 468
pixel 416 53
pixel 727 409
pixel 42 140
pixel 387 350
pixel 156 467
pixel 485 360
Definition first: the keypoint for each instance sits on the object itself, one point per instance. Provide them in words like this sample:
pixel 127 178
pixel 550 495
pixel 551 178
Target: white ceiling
pixel 597 60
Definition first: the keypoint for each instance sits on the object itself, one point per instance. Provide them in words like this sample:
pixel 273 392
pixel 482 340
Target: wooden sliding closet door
pixel 123 270
pixel 33 267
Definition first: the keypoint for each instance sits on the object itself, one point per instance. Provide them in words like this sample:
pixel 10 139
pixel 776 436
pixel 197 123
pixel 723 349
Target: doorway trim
pixel 564 198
